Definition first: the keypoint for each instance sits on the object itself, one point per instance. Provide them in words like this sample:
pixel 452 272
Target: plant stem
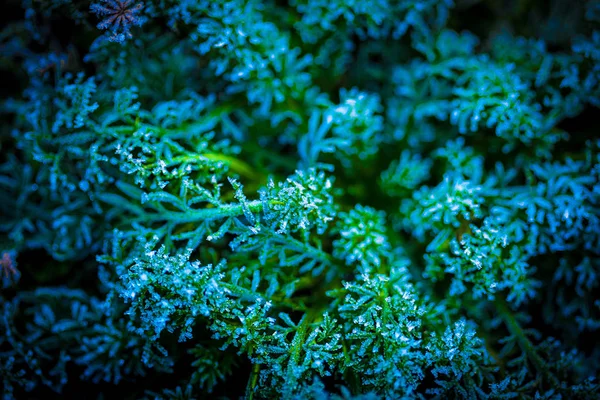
pixel 207 214
pixel 252 381
pixel 515 329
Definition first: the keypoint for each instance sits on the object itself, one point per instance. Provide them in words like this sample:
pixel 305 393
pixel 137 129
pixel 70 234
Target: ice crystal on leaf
pixel 310 199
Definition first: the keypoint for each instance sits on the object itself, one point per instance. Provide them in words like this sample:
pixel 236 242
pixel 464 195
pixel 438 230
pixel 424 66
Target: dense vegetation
pixel 302 199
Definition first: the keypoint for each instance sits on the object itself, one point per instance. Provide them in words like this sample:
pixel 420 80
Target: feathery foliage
pixel 302 200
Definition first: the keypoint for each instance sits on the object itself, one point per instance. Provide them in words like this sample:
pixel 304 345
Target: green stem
pixel 515 329
pixel 349 375
pixel 298 341
pixel 207 214
pixel 277 301
pixel 296 349
pixel 252 381
pixel 302 247
pixel 235 164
